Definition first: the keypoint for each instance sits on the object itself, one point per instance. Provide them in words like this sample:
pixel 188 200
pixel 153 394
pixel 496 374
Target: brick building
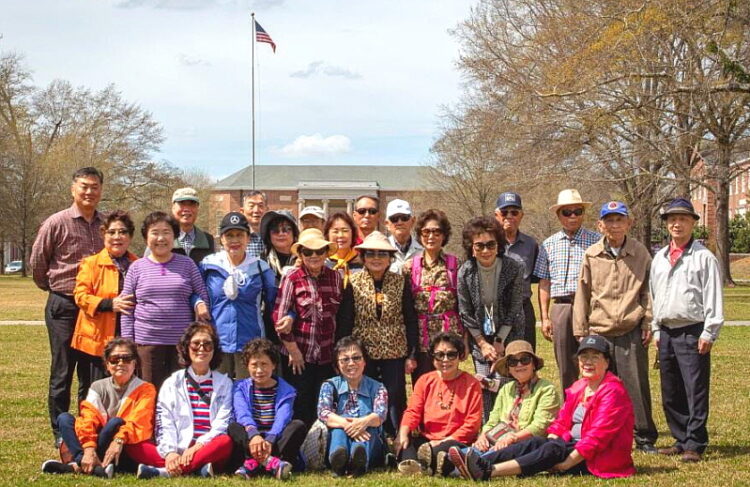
pixel 704 201
pixel 333 188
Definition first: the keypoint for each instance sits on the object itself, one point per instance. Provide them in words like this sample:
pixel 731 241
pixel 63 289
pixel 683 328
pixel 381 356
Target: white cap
pixel 397 207
pixel 313 210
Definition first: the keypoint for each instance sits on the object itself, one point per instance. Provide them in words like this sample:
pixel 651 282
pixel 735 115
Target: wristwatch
pixel 119 441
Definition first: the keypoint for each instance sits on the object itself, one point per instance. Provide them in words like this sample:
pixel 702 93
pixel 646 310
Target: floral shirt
pixel 351 408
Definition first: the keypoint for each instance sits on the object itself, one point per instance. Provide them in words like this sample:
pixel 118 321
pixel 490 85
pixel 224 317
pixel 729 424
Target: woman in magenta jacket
pixel 593 433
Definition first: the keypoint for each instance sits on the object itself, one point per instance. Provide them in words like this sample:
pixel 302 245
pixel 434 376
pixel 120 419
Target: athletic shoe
pixel 338 460
pixel 207 471
pixel 477 467
pixel 54 466
pixel 410 467
pixel 647 448
pixel 242 473
pixel 146 472
pixel 283 470
pixel 358 461
pixel 424 455
pixel 390 462
pixel 104 473
pixel 457 459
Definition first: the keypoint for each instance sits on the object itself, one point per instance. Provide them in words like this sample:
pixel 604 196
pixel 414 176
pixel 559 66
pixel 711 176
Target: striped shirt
pixel 560 258
pixel 63 240
pixel 264 407
pixel 162 299
pixel 201 410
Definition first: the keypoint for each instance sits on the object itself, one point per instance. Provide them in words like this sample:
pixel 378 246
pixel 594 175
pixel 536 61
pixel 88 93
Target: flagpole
pixel 252 15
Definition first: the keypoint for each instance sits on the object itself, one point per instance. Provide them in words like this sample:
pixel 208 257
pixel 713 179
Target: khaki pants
pixel 565 344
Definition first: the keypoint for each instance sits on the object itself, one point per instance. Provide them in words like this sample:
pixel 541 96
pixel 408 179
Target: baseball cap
pixel 185 194
pixel 398 207
pixel 613 208
pixel 234 220
pixel 508 199
pixel 313 210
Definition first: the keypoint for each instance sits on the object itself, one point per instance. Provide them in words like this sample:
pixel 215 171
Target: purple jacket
pixel 243 407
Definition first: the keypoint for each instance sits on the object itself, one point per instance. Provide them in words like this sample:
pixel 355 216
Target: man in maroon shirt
pixel 63 240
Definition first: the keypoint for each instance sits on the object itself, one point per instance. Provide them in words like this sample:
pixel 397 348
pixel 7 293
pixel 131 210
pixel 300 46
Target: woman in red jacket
pixel 593 433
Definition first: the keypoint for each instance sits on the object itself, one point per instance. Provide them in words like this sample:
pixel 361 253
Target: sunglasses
pixel 510 212
pixel 399 218
pixel 441 356
pixel 426 232
pixel 355 359
pixel 369 211
pixel 568 213
pixel 309 252
pixel 282 229
pixel 489 245
pixel 118 359
pixel 207 346
pixel 525 360
pixel 117 231
pixel 374 254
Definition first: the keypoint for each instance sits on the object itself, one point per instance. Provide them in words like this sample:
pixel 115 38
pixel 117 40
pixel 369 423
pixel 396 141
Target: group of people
pixel 198 358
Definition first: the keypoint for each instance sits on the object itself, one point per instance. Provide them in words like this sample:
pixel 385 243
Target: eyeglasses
pixel 117 231
pixel 488 245
pixel 375 254
pixel 208 346
pixel 426 232
pixel 355 359
pixel 568 213
pixel 369 211
pixel 442 356
pixel 525 360
pixel 510 212
pixel 117 359
pixel 399 218
pixel 282 229
pixel 309 252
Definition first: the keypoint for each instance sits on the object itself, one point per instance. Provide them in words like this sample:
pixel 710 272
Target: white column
pixel 325 208
pixel 300 205
pixel 350 206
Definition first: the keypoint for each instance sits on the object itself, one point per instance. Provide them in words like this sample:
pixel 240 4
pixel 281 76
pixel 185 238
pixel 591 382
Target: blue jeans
pixel 66 422
pixel 373 447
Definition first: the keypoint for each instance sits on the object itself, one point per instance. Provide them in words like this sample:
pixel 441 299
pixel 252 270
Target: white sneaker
pixel 410 467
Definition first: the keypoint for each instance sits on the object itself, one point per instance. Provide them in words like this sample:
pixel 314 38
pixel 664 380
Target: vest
pixel 383 338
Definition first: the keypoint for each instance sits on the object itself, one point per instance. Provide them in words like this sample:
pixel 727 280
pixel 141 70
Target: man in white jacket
pixel 399 220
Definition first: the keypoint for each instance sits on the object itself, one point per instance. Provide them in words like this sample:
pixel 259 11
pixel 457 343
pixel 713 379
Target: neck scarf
pixel 523 391
pixel 343 263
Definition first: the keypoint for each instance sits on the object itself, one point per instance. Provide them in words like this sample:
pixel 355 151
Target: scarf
pixel 523 391
pixel 343 263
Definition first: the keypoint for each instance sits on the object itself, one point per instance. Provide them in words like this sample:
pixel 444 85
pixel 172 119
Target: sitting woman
pixel 265 436
pixel 193 411
pixel 593 433
pixel 444 410
pixel 354 407
pixel 118 410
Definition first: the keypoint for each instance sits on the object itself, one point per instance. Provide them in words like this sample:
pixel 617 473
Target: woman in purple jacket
pixel 266 439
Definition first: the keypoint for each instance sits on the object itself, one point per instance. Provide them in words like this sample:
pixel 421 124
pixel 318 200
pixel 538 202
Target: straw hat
pixel 313 239
pixel 514 348
pixel 568 197
pixel 376 241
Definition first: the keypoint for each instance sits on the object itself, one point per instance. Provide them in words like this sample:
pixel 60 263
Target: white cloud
pixel 317 145
pixel 190 61
pixel 319 67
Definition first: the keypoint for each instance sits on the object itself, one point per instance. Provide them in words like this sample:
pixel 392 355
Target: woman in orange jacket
pixel 98 285
pixel 118 411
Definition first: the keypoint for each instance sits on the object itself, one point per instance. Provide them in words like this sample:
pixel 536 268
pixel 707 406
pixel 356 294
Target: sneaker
pixel 54 466
pixel 647 448
pixel 104 473
pixel 242 473
pixel 442 463
pixel 410 467
pixel 283 470
pixel 424 455
pixel 390 462
pixel 146 472
pixel 338 460
pixel 207 471
pixel 358 464
pixel 456 457
pixel 477 467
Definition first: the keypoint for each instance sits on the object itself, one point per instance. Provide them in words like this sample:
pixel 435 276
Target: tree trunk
pixel 722 213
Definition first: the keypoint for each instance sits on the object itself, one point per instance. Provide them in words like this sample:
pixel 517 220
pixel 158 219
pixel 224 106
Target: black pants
pixel 424 365
pixel 529 330
pixel 308 388
pixel 90 370
pixel 391 373
pixel 410 452
pixel 685 379
pixel 286 446
pixel 60 317
pixel 536 454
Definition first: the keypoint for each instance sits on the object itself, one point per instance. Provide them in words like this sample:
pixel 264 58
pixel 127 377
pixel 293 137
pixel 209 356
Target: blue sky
pixel 352 82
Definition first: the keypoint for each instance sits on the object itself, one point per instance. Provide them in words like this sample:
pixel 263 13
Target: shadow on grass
pixel 718 452
pixel 646 470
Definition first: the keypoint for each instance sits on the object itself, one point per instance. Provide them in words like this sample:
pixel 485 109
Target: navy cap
pixel 233 220
pixel 594 342
pixel 679 206
pixel 508 199
pixel 613 208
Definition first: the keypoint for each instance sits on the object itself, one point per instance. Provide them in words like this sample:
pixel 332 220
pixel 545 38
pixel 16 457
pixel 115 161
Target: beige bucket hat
pixel 376 241
pixel 312 238
pixel 513 348
pixel 568 197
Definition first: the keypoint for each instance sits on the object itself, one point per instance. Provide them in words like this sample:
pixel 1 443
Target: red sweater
pixel 461 421
pixel 607 428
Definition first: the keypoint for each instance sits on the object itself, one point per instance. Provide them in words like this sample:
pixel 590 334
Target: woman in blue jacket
pixel 265 437
pixel 237 285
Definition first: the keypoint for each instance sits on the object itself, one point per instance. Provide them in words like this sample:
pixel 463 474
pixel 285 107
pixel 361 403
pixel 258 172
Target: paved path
pixel 32 323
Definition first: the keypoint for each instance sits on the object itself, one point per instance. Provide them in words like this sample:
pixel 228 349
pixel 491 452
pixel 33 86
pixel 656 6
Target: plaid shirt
pixel 63 240
pixel 315 301
pixel 186 240
pixel 560 259
pixel 255 247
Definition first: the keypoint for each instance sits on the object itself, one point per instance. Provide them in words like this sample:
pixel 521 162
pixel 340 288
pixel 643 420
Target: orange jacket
pixel 97 279
pixel 136 408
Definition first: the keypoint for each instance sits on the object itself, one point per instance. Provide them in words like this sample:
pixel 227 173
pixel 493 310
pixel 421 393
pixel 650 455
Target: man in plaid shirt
pixel 253 208
pixel 557 267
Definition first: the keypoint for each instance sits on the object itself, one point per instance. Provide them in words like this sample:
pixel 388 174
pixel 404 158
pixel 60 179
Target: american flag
pixel 262 36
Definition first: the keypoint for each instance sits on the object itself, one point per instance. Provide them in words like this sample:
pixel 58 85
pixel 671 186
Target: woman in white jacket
pixel 193 411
